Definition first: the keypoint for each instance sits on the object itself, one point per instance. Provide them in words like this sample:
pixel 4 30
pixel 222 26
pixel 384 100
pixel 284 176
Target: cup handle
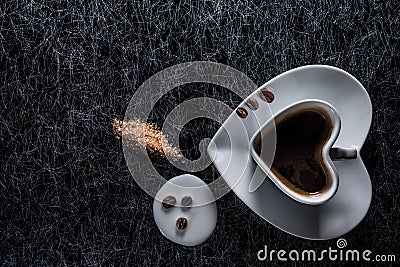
pixel 337 153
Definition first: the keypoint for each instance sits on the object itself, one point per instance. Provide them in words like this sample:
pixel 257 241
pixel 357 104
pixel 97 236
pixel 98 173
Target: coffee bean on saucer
pixel 181 223
pixel 252 104
pixel 168 202
pixel 267 96
pixel 242 112
pixel 186 201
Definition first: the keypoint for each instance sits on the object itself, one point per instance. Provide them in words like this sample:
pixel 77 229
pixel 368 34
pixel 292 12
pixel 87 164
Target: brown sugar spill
pixel 145 135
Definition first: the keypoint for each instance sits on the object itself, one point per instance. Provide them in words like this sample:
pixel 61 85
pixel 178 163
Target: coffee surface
pixel 298 155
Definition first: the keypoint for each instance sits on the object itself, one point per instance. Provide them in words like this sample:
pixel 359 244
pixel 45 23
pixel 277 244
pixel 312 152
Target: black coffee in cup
pixel 298 162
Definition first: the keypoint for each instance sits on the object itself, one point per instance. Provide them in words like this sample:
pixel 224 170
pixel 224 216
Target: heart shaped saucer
pixel 230 150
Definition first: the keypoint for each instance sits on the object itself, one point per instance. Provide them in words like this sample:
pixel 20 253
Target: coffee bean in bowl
pixel 181 223
pixel 168 202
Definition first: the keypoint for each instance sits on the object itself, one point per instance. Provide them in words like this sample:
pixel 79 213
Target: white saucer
pixel 230 150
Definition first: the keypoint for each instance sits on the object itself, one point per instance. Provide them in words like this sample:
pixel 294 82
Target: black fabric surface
pixel 68 68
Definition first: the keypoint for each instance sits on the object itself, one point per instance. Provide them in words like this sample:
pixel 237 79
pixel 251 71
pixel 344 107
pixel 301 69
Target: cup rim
pixel 336 125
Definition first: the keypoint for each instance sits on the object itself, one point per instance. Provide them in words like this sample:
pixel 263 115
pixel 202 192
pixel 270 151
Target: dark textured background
pixel 67 69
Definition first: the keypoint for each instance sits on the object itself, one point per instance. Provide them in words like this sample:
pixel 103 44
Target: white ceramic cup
pixel 329 153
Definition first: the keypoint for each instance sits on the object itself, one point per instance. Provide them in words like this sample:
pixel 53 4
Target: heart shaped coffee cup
pixel 295 150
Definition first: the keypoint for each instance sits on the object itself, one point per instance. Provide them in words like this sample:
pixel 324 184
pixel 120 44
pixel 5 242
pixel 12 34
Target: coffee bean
pixel 169 202
pixel 242 112
pixel 252 104
pixel 181 223
pixel 267 96
pixel 186 201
